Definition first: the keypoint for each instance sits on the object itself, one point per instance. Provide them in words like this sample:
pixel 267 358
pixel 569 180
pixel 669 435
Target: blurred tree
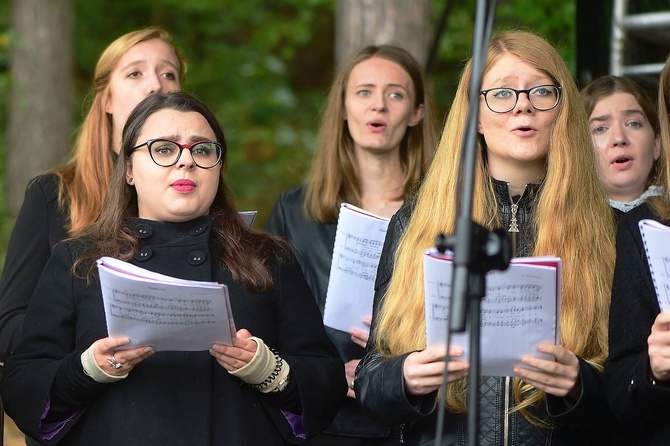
pixel 552 19
pixel 370 22
pixel 40 106
pixel 264 68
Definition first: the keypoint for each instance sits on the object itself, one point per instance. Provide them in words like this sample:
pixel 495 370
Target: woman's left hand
pixel 236 356
pixel 360 337
pixel 559 378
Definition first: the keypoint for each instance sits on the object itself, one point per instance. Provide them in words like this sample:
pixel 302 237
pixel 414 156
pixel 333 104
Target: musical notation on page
pixel 521 308
pixel 358 244
pixel 656 239
pixel 164 312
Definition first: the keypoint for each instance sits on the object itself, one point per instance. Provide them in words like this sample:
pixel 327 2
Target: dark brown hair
pixel 245 251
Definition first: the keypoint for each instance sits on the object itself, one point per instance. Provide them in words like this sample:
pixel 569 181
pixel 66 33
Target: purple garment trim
pixel 49 430
pixel 296 424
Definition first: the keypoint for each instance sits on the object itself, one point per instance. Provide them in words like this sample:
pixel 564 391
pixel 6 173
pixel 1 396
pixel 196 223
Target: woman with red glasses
pixel 169 211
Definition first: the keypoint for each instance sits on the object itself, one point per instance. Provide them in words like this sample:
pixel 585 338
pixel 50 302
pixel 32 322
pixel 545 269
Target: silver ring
pixel 112 361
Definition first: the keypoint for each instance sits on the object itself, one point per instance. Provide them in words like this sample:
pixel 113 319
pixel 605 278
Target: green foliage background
pixel 264 67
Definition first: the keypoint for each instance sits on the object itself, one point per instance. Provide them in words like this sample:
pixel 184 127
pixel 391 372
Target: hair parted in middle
pixel 85 176
pixel 333 178
pixel 572 220
pixel 245 251
pixel 605 86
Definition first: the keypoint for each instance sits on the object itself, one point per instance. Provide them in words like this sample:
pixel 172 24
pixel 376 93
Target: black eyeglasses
pixel 502 100
pixel 166 153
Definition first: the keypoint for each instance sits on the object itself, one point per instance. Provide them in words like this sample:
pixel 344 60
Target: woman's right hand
pixel 106 354
pixel 659 347
pixel 423 370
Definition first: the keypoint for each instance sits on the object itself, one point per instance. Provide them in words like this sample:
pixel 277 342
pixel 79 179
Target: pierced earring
pixel 130 180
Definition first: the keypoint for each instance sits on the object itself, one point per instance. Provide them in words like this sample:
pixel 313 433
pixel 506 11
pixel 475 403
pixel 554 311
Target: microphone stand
pixel 476 249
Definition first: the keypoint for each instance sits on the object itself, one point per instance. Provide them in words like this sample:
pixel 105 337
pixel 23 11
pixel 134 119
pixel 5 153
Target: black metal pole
pixel 468 284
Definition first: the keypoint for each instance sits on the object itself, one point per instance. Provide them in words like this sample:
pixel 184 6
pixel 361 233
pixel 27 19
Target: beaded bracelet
pixel 279 364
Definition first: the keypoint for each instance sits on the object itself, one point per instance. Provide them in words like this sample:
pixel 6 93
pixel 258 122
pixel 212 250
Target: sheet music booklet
pixel 358 245
pixel 656 239
pixel 521 308
pixel 164 312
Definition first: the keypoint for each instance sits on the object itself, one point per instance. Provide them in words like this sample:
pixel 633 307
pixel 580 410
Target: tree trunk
pixel 405 23
pixel 39 126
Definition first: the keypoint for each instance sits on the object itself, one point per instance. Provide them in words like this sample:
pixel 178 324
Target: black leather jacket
pixel 313 243
pixel 380 387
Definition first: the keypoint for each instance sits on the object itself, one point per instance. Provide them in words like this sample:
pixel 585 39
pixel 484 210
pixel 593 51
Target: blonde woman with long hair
pixel 69 198
pixel 535 174
pixel 637 372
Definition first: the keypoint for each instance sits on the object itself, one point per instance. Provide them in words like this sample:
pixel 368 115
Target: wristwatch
pixel 281 385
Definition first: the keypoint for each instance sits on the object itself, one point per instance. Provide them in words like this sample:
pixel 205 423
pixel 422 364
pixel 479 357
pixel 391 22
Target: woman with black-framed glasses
pixel 503 100
pixel 169 211
pixel 536 178
pixel 166 153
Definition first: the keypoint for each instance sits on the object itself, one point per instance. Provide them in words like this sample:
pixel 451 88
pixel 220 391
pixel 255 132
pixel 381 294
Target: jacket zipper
pixel 402 434
pixel 513 223
pixel 506 414
pixel 512 231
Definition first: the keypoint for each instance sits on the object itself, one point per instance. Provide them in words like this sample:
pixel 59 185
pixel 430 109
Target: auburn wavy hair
pixel 84 178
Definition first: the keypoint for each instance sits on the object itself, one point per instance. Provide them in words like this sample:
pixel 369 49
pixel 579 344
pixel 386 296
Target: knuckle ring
pixel 112 361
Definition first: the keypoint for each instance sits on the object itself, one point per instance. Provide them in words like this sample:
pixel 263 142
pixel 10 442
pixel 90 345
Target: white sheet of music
pixel 351 287
pixel 656 239
pixel 166 313
pixel 520 310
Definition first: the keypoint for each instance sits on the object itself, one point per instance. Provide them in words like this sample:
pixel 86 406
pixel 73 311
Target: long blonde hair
pixel 572 220
pixel 84 179
pixel 333 178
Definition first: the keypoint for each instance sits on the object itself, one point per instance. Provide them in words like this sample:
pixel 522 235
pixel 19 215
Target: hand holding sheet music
pixel 164 312
pixel 520 310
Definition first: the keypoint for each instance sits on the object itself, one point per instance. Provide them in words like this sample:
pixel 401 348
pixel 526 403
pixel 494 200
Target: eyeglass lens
pixel 543 97
pixel 167 153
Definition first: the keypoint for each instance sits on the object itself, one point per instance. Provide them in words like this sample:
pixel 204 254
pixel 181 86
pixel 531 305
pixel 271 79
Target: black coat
pixel 39 226
pixel 380 383
pixel 639 405
pixel 313 244
pixel 171 397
